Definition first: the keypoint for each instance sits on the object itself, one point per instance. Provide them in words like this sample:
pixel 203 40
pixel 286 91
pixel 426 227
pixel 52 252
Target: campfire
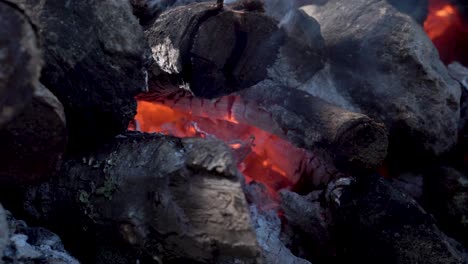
pixel 249 131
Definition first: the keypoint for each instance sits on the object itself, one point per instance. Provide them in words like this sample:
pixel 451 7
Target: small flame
pixel 262 156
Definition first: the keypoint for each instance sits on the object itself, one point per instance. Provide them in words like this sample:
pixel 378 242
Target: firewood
pixel 34 142
pixel 219 51
pixel 20 60
pixel 352 140
pixel 95 60
pixel 169 198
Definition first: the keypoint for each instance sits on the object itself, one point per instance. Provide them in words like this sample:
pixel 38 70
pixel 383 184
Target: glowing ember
pixel 261 156
pixel 447 29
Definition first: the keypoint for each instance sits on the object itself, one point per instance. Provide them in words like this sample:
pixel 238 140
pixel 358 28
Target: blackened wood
pixel 20 61
pixel 34 142
pixel 218 51
pixel 376 222
pixel 354 140
pixel 170 198
pixel 94 62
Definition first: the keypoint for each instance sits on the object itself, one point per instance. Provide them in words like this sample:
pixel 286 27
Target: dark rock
pixel 383 64
pixel 34 142
pixel 378 223
pixel 95 56
pixel 20 60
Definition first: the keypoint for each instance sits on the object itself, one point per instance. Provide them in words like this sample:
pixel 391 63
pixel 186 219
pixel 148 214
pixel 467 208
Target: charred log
pixel 375 222
pixel 219 51
pixel 20 60
pixel 95 56
pixel 159 196
pixel 353 140
pixel 34 142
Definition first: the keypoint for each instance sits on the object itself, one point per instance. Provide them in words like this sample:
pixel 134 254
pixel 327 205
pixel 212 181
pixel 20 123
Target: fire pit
pixel 250 131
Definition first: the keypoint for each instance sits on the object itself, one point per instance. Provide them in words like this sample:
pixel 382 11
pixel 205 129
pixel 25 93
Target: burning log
pixel 20 60
pixel 353 140
pixel 167 198
pixel 220 51
pixel 377 223
pixel 95 57
pixel 34 141
pixel 384 65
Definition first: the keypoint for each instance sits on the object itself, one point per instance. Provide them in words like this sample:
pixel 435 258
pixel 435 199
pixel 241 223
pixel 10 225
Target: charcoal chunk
pixel 95 57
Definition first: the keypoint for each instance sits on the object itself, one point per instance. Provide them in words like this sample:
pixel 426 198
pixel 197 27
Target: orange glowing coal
pixel 448 31
pixel 262 156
